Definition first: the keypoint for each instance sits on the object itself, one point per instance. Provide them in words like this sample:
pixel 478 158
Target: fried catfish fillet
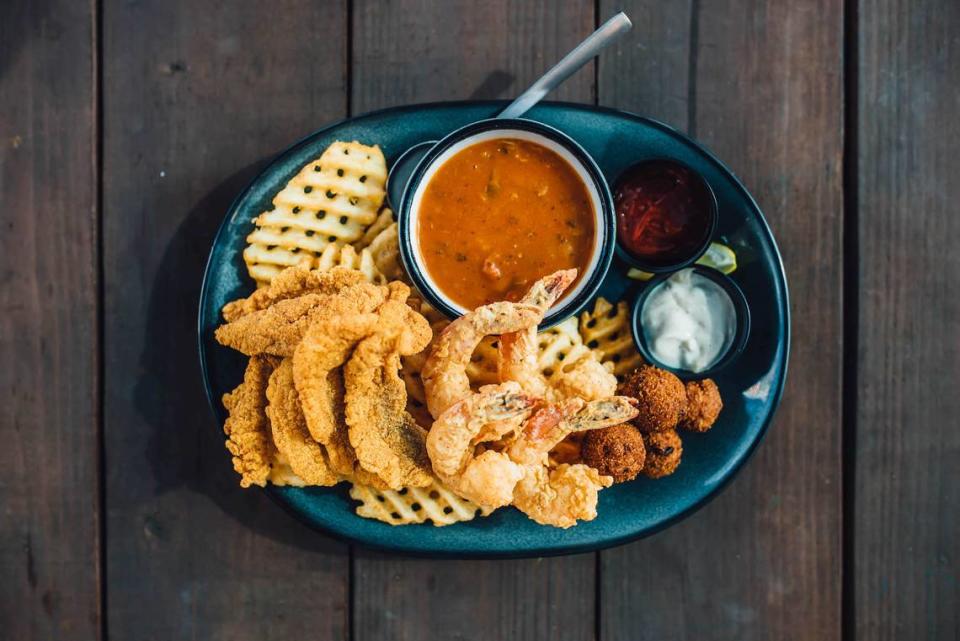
pixel 292 283
pixel 304 455
pixel 318 379
pixel 387 440
pixel 279 328
pixel 247 426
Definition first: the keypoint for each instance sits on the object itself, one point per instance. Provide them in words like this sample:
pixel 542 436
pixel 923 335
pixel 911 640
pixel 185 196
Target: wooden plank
pixel 49 418
pixel 907 511
pixel 648 71
pixel 411 51
pixel 416 51
pixel 196 97
pixel 763 560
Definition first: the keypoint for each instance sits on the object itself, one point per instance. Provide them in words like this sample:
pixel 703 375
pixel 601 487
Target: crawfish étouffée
pixel 500 214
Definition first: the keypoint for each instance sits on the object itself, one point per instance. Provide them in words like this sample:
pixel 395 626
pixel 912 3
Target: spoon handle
pixel 581 54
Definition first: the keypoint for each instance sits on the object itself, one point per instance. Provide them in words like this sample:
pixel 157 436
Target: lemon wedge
pixel 717 256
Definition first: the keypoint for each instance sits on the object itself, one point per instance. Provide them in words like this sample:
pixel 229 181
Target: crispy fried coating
pixel 616 451
pixel 664 450
pixel 703 405
pixel 247 427
pixel 305 456
pixel 661 397
pixel 387 440
pixel 316 363
pixel 279 328
pixel 293 282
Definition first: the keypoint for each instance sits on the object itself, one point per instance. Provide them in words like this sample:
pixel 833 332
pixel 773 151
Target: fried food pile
pixel 352 377
pixel 322 394
pixel 650 443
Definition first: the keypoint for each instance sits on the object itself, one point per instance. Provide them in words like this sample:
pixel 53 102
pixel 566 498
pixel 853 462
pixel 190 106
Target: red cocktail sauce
pixel 664 212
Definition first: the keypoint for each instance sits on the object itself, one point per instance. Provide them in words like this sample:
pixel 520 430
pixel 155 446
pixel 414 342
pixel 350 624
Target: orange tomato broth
pixel 499 215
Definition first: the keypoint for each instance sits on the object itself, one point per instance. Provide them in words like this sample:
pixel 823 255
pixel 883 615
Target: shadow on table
pixel 186 448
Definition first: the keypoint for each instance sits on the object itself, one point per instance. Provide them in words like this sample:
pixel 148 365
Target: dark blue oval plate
pixel 751 387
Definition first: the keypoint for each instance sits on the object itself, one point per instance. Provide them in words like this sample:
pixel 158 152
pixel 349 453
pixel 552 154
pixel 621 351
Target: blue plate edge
pixel 598 544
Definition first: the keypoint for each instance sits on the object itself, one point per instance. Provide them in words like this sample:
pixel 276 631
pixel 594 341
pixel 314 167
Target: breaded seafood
pixel 247 426
pixel 278 329
pixel 703 405
pixel 387 440
pixel 661 397
pixel 318 378
pixel 304 455
pixel 664 450
pixel 292 283
pixel 616 451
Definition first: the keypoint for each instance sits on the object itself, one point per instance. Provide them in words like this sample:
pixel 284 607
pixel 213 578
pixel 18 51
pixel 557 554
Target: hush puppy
pixel 661 396
pixel 663 453
pixel 616 451
pixel 703 405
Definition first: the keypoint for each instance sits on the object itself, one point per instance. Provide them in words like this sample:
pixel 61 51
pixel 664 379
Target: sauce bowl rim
pixel 598 187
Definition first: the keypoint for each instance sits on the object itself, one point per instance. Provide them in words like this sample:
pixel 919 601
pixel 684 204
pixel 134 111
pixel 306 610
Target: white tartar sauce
pixel 688 321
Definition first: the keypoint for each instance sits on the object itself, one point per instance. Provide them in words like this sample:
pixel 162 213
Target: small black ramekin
pixel 606 224
pixel 662 268
pixel 740 336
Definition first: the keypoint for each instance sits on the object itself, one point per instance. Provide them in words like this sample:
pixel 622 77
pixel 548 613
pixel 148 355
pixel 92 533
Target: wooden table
pixel 126 128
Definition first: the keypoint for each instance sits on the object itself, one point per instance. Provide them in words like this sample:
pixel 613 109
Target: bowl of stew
pixel 497 205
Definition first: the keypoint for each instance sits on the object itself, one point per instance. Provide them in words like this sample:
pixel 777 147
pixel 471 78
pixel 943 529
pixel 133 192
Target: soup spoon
pixel 580 55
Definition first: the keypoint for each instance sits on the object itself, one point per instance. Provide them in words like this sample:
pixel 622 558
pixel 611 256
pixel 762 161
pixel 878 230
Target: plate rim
pixel 599 543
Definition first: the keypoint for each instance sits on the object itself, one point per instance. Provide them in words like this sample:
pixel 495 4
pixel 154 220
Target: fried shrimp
pixel 488 479
pixel 292 283
pixel 247 426
pixel 568 493
pixel 444 373
pixel 304 455
pixel 562 496
pixel 518 350
pixel 387 440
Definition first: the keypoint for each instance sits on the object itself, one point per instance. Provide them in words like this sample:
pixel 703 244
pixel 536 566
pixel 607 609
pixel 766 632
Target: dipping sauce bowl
pixel 666 215
pixel 740 331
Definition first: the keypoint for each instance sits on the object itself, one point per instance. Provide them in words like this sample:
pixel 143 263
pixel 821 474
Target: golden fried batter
pixel 247 427
pixel 661 396
pixel 663 450
pixel 616 451
pixel 387 440
pixel 324 348
pixel 279 328
pixel 305 456
pixel 703 405
pixel 292 283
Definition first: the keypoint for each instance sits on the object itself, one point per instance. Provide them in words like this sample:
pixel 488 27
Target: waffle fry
pixel 433 503
pixel 332 200
pixel 346 256
pixel 607 329
pixel 385 248
pixel 384 220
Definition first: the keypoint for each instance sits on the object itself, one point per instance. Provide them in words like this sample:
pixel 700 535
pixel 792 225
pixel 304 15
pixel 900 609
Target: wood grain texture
pixel 410 51
pixel 648 71
pixel 196 97
pixel 763 560
pixel 49 416
pixel 416 51
pixel 907 494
